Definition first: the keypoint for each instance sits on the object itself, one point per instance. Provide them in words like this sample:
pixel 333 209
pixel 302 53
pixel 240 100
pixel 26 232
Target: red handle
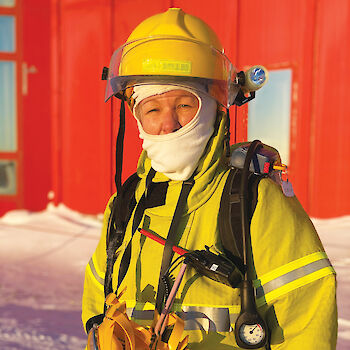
pixel 177 250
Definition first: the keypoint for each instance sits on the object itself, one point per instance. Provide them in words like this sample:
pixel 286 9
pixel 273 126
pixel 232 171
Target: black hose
pixel 243 191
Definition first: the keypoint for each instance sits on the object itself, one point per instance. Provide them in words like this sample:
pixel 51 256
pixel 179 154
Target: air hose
pixel 251 331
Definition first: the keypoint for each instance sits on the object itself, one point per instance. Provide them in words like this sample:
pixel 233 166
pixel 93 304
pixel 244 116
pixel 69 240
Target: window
pixel 7 3
pixel 7 177
pixel 9 63
pixel 7 34
pixel 269 113
pixel 8 127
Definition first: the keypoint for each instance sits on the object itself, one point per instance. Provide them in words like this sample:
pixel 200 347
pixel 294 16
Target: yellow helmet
pixel 173 48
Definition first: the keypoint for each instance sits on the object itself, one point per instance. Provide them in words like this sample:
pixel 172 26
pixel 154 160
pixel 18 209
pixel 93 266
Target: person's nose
pixel 170 122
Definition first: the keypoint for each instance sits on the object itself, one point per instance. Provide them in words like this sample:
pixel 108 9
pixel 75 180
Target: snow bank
pixel 42 261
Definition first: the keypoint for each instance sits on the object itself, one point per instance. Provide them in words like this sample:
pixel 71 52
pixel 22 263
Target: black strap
pixel 120 146
pixel 228 133
pixel 170 241
pixel 140 208
pixel 142 205
pixel 246 213
pixel 122 207
pixel 122 203
pixel 230 221
pixel 98 319
pixel 230 217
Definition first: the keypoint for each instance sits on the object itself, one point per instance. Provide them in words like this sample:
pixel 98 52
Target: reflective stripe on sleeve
pixel 291 276
pixel 97 277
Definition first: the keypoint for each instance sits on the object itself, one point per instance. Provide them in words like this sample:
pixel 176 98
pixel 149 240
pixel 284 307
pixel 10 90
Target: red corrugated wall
pixel 310 37
pixel 82 142
pixel 329 188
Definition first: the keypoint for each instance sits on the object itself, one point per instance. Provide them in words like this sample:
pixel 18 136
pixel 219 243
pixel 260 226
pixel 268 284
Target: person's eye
pixel 184 105
pixel 151 110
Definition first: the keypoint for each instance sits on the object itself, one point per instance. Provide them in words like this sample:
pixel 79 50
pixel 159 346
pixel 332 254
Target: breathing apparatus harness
pixel 238 201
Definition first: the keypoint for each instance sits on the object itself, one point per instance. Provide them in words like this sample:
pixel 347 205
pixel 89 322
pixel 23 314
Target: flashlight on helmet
pixel 254 78
pixel 250 81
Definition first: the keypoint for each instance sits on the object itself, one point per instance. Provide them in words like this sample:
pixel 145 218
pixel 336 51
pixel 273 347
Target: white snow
pixel 42 261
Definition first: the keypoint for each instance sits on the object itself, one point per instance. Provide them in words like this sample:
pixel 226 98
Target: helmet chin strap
pixel 120 145
pixel 227 134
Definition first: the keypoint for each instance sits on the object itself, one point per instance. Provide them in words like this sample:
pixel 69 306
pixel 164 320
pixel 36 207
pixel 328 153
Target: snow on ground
pixel 42 261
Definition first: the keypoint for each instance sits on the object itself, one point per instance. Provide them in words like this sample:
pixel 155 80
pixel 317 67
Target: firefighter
pixel 178 85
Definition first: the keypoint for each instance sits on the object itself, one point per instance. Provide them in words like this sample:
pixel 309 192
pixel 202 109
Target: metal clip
pixel 105 71
pixel 286 185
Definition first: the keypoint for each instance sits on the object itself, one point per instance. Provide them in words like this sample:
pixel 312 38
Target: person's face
pixel 168 112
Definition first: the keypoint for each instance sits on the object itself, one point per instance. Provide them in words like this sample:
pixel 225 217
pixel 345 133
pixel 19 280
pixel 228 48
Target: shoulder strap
pixel 140 208
pixel 230 221
pixel 170 240
pixel 122 207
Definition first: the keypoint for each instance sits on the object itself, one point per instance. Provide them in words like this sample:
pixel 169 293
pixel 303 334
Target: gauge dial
pixel 251 334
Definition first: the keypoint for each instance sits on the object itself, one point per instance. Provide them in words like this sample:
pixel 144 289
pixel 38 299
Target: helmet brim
pixel 174 61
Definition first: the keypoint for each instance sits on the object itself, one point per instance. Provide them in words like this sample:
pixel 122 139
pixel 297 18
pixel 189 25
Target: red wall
pixel 73 130
pixel 330 125
pixel 82 123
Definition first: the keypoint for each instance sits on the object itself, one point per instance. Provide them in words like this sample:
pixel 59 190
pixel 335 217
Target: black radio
pixel 215 267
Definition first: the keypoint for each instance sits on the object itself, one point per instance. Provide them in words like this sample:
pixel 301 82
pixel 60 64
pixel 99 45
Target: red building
pixel 57 135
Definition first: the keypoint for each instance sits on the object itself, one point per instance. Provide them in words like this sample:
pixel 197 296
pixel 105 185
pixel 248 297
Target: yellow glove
pixel 118 332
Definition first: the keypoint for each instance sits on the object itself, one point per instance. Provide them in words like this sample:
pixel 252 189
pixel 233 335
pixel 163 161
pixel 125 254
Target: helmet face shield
pixel 174 61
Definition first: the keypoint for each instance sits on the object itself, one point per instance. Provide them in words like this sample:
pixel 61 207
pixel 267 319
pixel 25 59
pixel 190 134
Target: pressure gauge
pixel 252 334
pixel 251 330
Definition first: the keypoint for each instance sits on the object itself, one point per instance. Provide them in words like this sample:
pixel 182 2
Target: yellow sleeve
pixel 306 317
pixel 93 295
pixel 294 279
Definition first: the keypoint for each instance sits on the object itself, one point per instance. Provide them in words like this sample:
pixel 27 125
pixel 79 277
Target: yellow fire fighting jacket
pixel 294 280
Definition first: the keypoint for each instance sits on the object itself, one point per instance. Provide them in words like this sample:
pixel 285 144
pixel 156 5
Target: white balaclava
pixel 177 154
